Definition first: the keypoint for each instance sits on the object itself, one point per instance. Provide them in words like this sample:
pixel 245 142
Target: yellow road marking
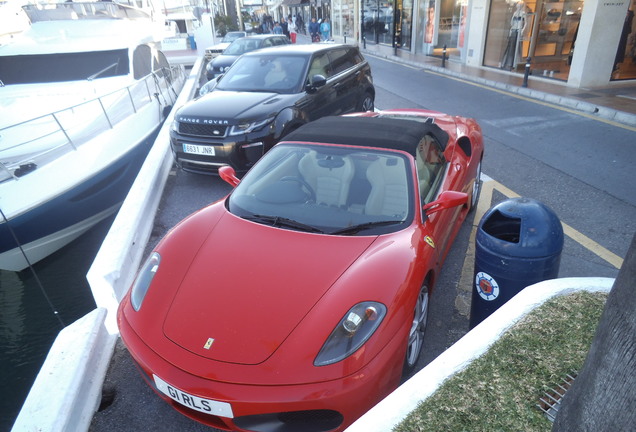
pixel 465 284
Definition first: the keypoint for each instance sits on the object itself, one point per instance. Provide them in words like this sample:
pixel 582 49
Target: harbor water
pixel 35 304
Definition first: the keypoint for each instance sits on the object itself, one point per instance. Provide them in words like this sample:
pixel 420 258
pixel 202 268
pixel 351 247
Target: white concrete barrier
pixel 67 390
pixel 399 404
pixel 120 255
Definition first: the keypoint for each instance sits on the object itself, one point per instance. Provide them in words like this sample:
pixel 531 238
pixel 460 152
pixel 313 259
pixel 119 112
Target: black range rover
pixel 265 95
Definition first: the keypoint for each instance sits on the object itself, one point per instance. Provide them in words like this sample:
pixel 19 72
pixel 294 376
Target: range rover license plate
pixel 207 406
pixel 197 149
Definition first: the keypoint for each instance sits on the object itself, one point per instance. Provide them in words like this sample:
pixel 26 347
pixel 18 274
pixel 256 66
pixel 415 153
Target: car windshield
pixel 327 189
pixel 265 73
pixel 241 46
pixel 231 37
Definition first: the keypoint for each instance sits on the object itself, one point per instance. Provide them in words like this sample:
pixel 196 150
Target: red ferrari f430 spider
pixel 299 301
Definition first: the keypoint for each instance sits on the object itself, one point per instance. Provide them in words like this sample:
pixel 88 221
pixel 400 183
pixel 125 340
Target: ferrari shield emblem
pixel 429 241
pixel 208 344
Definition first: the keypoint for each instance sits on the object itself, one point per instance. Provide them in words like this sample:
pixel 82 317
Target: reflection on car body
pixel 301 299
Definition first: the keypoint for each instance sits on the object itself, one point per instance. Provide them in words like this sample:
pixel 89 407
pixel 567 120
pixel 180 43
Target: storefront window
pixel 625 62
pixel 452 25
pixel 343 22
pixel 442 25
pixel 377 21
pixel 426 26
pixel 517 31
pixel 404 23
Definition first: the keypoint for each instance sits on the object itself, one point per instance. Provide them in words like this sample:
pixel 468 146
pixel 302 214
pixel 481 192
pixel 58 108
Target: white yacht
pixel 83 93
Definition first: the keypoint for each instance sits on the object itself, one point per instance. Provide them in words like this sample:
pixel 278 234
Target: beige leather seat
pixel 329 176
pixel 389 194
pixel 423 176
pixel 318 67
pixel 276 75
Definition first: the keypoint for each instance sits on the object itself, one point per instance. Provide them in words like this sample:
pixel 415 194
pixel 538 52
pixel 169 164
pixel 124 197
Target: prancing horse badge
pixel 208 344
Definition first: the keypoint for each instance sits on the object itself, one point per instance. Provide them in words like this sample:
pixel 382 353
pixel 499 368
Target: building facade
pixel 587 43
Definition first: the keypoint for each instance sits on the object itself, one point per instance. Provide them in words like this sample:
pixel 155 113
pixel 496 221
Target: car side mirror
pixel 448 199
pixel 317 81
pixel 228 174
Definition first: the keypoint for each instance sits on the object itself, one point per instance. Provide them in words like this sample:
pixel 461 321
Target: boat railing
pixel 82 10
pixel 38 141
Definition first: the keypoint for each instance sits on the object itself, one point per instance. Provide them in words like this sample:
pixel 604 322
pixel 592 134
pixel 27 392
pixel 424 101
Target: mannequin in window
pixel 517 27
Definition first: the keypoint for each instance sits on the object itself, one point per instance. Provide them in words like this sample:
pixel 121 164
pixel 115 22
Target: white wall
pixel 477 32
pixel 597 41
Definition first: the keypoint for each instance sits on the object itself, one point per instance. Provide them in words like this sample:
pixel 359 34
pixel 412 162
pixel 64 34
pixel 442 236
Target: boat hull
pixel 44 229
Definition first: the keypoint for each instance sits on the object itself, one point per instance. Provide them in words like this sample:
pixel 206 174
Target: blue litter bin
pixel 518 243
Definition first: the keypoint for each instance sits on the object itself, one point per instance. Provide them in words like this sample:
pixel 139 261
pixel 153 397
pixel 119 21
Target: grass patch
pixel 500 390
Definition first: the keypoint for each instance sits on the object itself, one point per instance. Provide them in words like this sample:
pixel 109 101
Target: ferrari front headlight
pixel 353 330
pixel 144 279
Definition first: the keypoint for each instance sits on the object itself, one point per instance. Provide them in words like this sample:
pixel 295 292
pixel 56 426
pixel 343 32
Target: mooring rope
pixel 35 275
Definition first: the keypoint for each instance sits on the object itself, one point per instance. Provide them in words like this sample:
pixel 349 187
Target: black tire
pixel 366 103
pixel 476 192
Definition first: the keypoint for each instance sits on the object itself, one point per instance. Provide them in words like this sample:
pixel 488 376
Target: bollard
pixel 364 42
pixel 444 57
pixel 526 73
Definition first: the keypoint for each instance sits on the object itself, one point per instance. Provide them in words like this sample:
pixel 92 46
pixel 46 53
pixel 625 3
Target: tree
pixel 603 396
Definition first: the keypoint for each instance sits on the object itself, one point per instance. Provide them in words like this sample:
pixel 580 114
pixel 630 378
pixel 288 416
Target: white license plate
pixel 207 406
pixel 197 149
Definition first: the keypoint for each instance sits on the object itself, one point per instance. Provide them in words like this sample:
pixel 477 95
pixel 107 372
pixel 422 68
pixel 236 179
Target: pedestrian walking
pixel 300 24
pixel 325 29
pixel 285 26
pixel 277 28
pixel 314 30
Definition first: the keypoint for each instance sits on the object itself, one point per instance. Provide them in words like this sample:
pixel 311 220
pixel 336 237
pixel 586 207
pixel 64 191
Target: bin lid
pixel 521 227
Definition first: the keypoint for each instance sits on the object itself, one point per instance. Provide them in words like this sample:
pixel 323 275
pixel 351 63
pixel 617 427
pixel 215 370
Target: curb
pixel 67 390
pixel 398 405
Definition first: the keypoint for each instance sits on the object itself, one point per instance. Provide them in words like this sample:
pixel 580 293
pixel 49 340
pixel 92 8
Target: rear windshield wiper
pixel 355 228
pixel 282 222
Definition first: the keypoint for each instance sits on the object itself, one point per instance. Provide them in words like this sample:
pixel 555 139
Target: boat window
pixel 162 61
pixel 46 68
pixel 142 61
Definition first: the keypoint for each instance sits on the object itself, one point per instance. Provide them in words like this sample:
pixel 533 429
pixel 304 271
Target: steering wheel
pixel 302 182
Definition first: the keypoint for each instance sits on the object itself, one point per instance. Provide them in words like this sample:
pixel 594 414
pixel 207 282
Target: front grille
pixel 202 130
pixel 306 421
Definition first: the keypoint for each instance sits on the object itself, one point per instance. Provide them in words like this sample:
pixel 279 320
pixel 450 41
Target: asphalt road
pixel 580 167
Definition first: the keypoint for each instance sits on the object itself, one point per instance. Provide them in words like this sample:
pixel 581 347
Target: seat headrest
pixel 331 162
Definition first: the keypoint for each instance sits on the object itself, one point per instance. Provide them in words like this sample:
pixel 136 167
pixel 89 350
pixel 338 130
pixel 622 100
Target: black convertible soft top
pixel 381 132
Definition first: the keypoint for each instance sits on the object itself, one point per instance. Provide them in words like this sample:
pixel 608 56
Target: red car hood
pixel 250 285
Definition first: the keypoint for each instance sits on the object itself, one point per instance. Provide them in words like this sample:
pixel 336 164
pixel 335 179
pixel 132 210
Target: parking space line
pixel 465 284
